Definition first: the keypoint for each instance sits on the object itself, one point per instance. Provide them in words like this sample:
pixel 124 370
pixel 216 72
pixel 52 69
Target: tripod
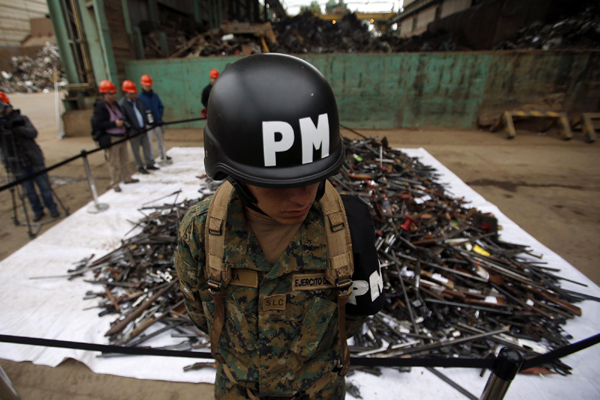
pixel 12 161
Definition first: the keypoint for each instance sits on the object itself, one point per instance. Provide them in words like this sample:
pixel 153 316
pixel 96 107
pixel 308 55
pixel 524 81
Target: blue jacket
pixel 153 103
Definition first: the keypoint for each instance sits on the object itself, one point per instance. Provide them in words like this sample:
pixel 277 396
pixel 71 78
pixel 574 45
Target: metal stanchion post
pixel 7 390
pixel 505 369
pixel 164 146
pixel 96 207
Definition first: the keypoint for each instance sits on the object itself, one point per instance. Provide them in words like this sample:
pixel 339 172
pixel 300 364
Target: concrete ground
pixel 547 186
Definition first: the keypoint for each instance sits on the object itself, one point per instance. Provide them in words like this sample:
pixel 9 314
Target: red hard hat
pixel 214 73
pixel 146 80
pixel 107 87
pixel 128 87
pixel 4 98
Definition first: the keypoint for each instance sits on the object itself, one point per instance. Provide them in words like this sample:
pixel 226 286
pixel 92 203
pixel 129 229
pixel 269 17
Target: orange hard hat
pixel 146 80
pixel 107 87
pixel 128 87
pixel 214 73
pixel 4 98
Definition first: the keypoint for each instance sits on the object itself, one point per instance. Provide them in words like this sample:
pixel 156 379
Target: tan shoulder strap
pixel 216 272
pixel 340 262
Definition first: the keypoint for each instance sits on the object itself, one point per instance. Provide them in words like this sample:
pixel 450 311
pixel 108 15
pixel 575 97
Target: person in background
pixel 214 74
pixel 155 106
pixel 22 157
pixel 135 115
pixel 108 126
pixel 4 98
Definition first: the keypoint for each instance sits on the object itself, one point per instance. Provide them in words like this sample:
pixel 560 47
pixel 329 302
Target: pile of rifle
pixel 453 287
pixel 139 283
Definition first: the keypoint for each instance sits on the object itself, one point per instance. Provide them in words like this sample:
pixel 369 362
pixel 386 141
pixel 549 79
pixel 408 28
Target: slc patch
pixel 275 302
pixel 310 282
pixel 244 277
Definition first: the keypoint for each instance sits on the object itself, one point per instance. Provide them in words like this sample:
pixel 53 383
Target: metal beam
pixel 359 16
pixel 64 42
pixel 90 30
pixel 153 10
pixel 110 66
pixel 139 43
pixel 413 9
pixel 197 14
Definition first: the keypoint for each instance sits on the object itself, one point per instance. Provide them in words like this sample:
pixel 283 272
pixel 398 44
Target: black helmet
pixel 272 122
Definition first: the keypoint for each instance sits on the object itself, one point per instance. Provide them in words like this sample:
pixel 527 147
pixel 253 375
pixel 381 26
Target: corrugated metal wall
pixel 14 19
pixel 410 90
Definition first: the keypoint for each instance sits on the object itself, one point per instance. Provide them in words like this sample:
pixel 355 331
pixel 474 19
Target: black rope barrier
pixel 84 153
pixel 561 352
pixel 441 362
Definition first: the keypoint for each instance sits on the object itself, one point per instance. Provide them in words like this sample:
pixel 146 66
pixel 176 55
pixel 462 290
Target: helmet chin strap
pixel 248 199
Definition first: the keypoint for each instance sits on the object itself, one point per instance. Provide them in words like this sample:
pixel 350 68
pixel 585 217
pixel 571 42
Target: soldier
pixel 276 266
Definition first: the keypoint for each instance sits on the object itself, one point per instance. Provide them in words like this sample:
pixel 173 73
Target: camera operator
pixel 22 157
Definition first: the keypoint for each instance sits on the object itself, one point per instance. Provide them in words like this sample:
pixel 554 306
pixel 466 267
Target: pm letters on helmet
pixel 313 137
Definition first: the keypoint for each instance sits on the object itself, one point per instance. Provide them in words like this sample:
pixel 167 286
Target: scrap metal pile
pixel 30 75
pixel 306 33
pixel 580 31
pixel 453 287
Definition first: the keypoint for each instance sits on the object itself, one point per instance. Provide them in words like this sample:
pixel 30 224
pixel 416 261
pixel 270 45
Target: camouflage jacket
pixel 281 327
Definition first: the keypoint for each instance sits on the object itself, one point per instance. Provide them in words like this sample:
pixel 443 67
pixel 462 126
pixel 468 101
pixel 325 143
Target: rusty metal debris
pixel 305 33
pixel 31 75
pixel 579 31
pixel 139 283
pixel 453 287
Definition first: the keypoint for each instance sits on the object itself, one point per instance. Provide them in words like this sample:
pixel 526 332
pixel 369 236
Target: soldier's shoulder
pixel 196 215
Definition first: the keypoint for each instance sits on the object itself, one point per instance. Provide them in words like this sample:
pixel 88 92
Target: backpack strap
pixel 340 261
pixel 217 274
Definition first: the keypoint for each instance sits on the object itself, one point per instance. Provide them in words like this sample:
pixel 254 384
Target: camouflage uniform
pixel 275 352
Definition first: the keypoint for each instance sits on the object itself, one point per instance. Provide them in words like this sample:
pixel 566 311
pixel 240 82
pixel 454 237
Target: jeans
pixel 43 184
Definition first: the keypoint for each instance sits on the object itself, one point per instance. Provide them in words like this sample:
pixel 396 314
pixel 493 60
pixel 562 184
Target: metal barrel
pixel 505 369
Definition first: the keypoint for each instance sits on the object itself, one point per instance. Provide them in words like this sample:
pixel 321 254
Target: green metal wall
pixel 409 90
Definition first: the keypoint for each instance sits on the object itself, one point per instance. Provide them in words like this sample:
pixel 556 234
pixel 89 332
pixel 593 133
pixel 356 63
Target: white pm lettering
pixel 359 288
pixel 313 137
pixel 376 284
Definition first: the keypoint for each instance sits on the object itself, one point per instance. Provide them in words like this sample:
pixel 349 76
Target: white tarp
pixel 54 308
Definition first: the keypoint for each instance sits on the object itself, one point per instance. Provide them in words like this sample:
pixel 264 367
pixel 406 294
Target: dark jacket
pixel 17 143
pixel 129 114
pixel 101 122
pixel 153 103
pixel 206 94
pixel 101 118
